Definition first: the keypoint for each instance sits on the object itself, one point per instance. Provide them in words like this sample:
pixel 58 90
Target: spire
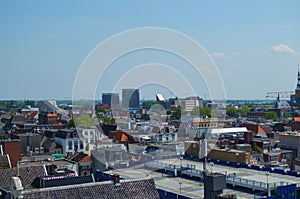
pixel 298 84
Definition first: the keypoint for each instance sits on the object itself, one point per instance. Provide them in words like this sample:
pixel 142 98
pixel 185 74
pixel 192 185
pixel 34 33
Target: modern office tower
pixel 111 99
pixel 131 98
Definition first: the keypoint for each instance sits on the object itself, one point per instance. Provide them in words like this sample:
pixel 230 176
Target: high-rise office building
pixel 131 98
pixel 111 99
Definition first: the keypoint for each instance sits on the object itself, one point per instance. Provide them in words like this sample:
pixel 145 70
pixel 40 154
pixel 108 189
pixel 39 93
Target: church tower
pixel 297 91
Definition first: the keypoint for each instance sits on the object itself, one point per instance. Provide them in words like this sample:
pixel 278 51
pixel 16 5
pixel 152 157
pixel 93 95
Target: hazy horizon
pixel 255 45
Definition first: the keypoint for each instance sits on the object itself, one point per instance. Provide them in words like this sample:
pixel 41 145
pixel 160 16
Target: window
pixel 288 156
pixel 274 158
pixel 160 137
pixel 118 156
pixel 70 145
pixel 81 144
pixel 75 145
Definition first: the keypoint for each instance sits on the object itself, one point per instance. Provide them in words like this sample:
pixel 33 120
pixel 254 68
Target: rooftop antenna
pixel 18 168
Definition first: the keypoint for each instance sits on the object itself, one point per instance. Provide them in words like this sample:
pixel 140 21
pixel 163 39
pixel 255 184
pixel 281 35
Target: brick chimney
pixel 116 179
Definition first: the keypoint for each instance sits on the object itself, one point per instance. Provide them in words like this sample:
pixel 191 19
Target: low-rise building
pixel 82 187
pixel 231 155
pixel 12 148
pixel 84 163
pixel 290 141
pixel 70 141
pixel 163 134
pixel 109 157
pixel 90 134
pixel 279 158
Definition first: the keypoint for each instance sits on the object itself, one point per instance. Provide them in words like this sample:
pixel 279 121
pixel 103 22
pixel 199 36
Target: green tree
pixel 244 111
pixel 201 111
pixel 11 111
pixel 104 118
pixel 257 149
pixel 271 115
pixel 205 111
pixel 101 110
pixel 71 124
pixel 176 114
pixel 231 111
pixel 287 115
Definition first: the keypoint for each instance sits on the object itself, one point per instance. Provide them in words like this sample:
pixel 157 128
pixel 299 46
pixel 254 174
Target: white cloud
pixel 237 54
pixel 282 48
pixel 218 55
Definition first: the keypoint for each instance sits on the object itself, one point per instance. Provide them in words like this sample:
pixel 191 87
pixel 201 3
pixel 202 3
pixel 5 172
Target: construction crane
pixel 280 94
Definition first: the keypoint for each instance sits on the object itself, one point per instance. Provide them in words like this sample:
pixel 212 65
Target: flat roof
pixel 228 130
pixel 195 189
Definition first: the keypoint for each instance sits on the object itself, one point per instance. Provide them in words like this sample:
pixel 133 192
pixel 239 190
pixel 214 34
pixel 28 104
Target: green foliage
pixel 13 112
pixel 84 120
pixel 71 124
pixel 231 111
pixel 104 118
pixel 29 103
pixel 287 115
pixel 244 111
pixel 13 103
pixel 234 112
pixel 257 149
pixel 271 115
pixel 101 110
pixel 205 111
pixel 176 114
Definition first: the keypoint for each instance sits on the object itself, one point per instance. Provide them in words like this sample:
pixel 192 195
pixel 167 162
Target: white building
pixel 189 103
pixel 163 134
pixel 70 141
pixel 90 134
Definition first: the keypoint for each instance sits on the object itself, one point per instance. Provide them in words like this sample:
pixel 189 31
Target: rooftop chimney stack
pixel 116 179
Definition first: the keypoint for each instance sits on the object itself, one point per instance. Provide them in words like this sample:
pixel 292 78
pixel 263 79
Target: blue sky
pixel 255 44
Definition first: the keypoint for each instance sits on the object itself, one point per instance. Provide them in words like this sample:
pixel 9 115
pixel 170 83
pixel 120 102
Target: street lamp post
pixel 181 158
pixel 267 173
pixel 179 181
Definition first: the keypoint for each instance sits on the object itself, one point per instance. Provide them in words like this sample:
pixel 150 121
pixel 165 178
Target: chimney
pixel 116 179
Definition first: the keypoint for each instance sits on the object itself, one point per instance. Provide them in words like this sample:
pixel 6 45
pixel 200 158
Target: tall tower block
pixel 297 91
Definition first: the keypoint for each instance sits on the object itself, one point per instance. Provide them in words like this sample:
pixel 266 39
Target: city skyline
pixel 255 45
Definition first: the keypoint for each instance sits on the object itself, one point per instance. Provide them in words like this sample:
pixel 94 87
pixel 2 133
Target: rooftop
pixel 136 188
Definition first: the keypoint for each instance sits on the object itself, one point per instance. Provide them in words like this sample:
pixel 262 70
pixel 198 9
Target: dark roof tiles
pixel 4 161
pixel 138 188
pixel 27 175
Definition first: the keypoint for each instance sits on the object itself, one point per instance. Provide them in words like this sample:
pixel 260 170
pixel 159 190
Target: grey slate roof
pixel 4 161
pixel 27 175
pixel 46 106
pixel 283 105
pixel 49 143
pixel 44 182
pixel 110 154
pixel 67 133
pixel 138 188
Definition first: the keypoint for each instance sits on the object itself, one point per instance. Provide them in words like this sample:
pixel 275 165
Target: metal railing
pixel 255 185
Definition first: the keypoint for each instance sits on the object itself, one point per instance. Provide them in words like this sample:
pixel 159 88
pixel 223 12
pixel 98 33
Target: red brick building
pixel 13 149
